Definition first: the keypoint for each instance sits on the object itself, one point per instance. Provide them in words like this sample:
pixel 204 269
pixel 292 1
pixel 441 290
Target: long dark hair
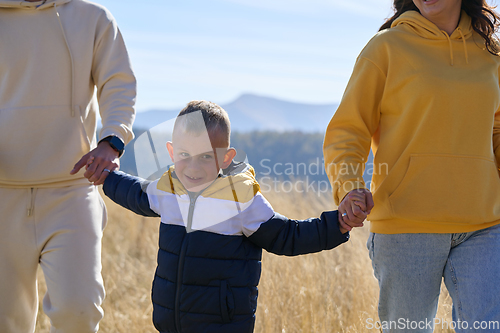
pixel 485 21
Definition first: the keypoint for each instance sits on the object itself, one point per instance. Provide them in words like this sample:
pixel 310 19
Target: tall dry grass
pixel 328 292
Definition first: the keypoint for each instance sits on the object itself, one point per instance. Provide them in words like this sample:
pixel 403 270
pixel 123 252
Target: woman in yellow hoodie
pixel 425 95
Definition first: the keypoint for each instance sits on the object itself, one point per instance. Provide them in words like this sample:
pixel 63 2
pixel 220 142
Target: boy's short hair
pixel 216 122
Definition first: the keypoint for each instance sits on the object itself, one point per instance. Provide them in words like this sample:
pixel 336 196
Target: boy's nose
pixel 193 163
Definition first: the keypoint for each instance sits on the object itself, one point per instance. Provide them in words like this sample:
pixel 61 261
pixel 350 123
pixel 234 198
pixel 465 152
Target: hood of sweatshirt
pixel 237 183
pixel 221 207
pixel 424 28
pixel 31 5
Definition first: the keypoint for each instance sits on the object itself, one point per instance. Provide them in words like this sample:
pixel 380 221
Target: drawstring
pixel 451 46
pixel 72 65
pixel 465 46
pixel 31 202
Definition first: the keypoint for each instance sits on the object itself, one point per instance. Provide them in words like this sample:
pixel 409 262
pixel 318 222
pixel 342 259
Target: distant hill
pixel 275 156
pixel 258 113
pixel 282 140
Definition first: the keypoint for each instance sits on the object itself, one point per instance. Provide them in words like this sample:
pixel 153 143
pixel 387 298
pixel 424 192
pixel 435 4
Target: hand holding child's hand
pixel 354 209
pixel 98 163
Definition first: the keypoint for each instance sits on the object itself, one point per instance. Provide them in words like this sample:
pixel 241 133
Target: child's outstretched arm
pixel 281 235
pixel 128 191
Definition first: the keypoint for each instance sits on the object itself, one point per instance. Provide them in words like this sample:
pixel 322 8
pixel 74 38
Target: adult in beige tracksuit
pixel 53 55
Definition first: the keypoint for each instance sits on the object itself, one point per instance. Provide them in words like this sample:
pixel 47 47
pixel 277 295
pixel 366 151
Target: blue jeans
pixel 409 269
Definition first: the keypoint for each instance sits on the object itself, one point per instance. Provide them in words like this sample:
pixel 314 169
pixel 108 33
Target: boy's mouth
pixel 193 178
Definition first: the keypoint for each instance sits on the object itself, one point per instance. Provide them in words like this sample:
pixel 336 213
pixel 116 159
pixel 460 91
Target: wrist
pixel 115 143
pixel 108 149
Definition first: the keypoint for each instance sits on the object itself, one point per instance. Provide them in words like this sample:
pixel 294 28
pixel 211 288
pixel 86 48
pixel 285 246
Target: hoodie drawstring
pixel 451 46
pixel 465 45
pixel 72 64
pixel 30 207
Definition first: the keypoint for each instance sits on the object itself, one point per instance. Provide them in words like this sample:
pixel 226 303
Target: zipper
pixel 180 267
pixel 192 200
pixel 182 255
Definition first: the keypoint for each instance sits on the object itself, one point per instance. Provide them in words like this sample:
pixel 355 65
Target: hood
pixel 238 180
pixel 426 29
pixel 31 5
pixel 218 207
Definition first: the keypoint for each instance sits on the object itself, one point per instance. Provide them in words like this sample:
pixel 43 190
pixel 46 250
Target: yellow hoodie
pixel 53 54
pixel 427 104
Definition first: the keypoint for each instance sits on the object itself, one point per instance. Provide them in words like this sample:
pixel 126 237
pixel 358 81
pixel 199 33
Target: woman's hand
pixel 354 208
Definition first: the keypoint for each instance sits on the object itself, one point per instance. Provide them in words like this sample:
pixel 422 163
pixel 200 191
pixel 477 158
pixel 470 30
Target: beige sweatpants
pixel 60 229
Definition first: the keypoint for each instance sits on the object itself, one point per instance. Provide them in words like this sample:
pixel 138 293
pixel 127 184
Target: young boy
pixel 215 223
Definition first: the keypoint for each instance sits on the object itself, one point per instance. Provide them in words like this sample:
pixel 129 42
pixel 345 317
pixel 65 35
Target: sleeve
pixel 496 138
pixel 348 136
pixel 283 236
pixel 115 81
pixel 129 192
pixel 252 217
pixel 496 134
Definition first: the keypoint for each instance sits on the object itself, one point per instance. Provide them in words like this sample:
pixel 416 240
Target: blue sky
pixel 296 50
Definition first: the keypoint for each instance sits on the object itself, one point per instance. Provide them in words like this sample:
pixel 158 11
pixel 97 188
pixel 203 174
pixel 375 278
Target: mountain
pixel 282 140
pixel 258 113
pixel 273 134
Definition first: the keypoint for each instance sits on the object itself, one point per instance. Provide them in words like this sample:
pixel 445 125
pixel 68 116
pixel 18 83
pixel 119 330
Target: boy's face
pixel 196 163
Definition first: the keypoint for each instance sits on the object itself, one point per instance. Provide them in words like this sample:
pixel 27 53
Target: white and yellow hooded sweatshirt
pixel 53 54
pixel 427 103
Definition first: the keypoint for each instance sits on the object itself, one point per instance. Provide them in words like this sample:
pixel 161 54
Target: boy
pixel 214 226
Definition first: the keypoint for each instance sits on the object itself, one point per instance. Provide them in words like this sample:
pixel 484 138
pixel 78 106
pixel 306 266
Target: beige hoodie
pixel 54 54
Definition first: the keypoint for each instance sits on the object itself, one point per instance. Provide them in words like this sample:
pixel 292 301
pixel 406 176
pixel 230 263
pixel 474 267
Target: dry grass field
pixel 328 292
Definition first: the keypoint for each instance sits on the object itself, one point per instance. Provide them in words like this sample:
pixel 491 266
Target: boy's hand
pixel 342 230
pixel 354 209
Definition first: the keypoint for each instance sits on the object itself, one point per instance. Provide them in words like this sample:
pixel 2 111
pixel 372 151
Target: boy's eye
pixel 207 156
pixel 184 155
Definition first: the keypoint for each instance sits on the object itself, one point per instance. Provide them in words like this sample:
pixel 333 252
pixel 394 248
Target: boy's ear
pixel 228 157
pixel 170 149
